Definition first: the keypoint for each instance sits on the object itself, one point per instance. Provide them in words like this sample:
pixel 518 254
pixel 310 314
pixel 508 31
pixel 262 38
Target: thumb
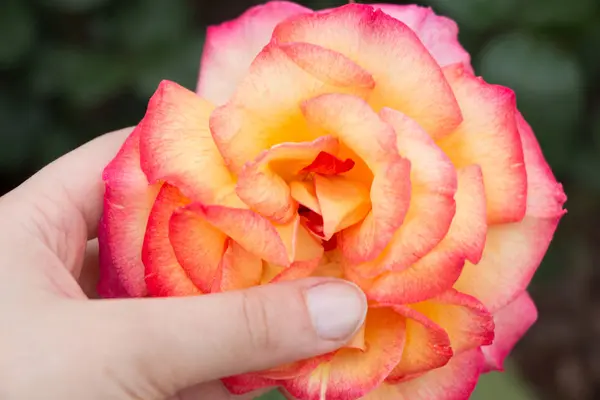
pixel 184 341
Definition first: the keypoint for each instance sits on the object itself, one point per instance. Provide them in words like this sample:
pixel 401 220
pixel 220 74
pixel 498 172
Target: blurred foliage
pixel 73 69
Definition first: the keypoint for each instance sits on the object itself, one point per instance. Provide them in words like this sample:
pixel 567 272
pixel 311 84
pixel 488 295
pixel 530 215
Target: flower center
pixel 324 167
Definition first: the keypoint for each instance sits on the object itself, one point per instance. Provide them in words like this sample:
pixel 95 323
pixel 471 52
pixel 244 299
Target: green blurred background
pixel 73 69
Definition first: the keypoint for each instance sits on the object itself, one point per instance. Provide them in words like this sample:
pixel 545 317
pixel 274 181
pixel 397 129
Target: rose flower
pixel 355 143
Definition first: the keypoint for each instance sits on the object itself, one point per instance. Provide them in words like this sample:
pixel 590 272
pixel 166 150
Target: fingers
pixel 62 203
pixel 179 342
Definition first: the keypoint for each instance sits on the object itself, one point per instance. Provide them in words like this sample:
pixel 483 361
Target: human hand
pixel 57 344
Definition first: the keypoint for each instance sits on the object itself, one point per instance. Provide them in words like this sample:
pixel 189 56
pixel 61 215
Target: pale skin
pixel 56 343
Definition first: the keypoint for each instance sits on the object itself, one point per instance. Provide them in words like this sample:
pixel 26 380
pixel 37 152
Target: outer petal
pixel 164 275
pixel 455 381
pixel 438 270
pixel 490 138
pixel 198 247
pixel 176 144
pixel 427 346
pixel 261 115
pixel 127 203
pixel 277 244
pixel 432 205
pixel 362 131
pixel 351 373
pixel 245 383
pixel 512 321
pixel 437 33
pixel 468 323
pixel 408 78
pixel 230 47
pixel 263 183
pixel 514 251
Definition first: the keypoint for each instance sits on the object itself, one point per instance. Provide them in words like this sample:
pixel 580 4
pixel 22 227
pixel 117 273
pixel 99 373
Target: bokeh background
pixel 73 69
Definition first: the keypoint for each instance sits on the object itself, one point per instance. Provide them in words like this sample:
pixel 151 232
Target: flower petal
pixel 408 78
pixel 490 138
pixel 467 322
pixel 512 322
pixel 239 269
pixel 198 247
pixel 127 203
pixel 328 164
pixel 437 271
pixel 351 373
pixel 432 205
pixel 455 381
pixel 261 115
pixel 231 46
pixel 245 383
pixel 176 145
pixel 514 251
pixel 280 244
pixel 298 270
pixel 342 202
pixel 427 346
pixel 437 33
pixel 164 275
pixel 360 129
pixel 304 193
pixel 262 183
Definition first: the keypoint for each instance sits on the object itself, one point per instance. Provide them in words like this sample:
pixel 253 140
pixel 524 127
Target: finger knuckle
pixel 256 322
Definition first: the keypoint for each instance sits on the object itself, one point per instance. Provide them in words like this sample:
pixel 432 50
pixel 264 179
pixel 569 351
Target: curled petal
pixel 328 164
pixel 427 346
pixel 432 206
pixel 304 193
pixel 514 251
pixel 358 127
pixel 467 322
pixel 262 183
pixel 239 269
pixel 408 78
pixel 545 196
pixel 176 143
pixel 437 271
pixel 351 373
pixel 295 369
pixel 298 270
pixel 127 202
pixel 245 383
pixel 249 124
pixel 489 137
pixel 164 275
pixel 455 381
pixel 231 46
pixel 198 246
pixel 437 33
pixel 342 203
pixel 280 244
pixel 512 322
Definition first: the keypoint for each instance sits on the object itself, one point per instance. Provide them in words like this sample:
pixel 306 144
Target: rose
pixel 356 143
